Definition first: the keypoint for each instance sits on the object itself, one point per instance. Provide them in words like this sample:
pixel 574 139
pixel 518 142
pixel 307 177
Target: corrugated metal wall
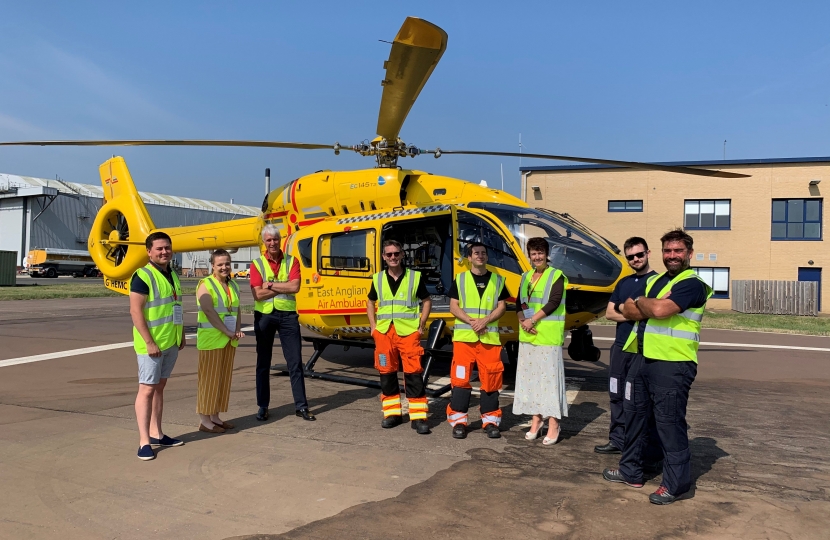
pixel 66 223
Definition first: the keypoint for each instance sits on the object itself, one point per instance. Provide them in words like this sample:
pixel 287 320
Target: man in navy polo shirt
pixel 636 253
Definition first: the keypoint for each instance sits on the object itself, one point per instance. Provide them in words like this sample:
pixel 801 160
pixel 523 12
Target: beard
pixel 675 265
pixel 637 266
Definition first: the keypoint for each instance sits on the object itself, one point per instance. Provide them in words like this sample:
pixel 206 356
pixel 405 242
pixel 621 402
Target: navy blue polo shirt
pixel 628 287
pixel 689 293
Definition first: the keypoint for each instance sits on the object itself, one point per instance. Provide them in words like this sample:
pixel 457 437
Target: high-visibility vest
pixel 403 308
pixel 208 337
pixel 551 329
pixel 158 309
pixel 477 306
pixel 676 338
pixel 281 302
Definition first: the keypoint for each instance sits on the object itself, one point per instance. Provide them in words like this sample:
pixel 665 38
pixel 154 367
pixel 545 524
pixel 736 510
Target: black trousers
pixel 661 389
pixel 266 326
pixel 618 371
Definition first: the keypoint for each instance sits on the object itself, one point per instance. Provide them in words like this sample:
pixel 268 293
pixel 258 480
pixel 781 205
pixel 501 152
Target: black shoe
pixel 165 441
pixel 661 496
pixel 306 414
pixel 459 431
pixel 262 414
pixel 614 475
pixel 391 421
pixel 654 467
pixel 607 449
pixel 492 431
pixel 421 427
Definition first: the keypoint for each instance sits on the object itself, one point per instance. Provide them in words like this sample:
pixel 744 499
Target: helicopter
pixel 336 221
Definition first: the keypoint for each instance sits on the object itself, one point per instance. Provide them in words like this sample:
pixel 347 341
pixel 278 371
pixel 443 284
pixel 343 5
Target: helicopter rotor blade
pixel 415 52
pixel 183 142
pixel 628 164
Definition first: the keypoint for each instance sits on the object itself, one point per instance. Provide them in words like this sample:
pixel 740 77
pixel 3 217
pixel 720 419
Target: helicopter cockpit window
pixel 474 229
pixel 346 254
pixel 427 245
pixel 572 249
pixel 304 249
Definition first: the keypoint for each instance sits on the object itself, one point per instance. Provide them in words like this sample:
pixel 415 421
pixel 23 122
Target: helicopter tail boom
pixel 116 239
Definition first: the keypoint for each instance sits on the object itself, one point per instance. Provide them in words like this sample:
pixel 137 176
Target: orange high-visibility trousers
pixel 491 374
pixel 392 350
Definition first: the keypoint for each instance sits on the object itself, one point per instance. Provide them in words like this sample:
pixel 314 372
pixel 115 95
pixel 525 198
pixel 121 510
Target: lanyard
pixel 533 284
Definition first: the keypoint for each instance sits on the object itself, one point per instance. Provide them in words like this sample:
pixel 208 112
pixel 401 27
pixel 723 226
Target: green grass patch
pixel 79 290
pixel 780 324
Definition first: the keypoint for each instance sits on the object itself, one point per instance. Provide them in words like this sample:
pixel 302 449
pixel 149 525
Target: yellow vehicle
pixel 52 263
pixel 242 274
pixel 335 221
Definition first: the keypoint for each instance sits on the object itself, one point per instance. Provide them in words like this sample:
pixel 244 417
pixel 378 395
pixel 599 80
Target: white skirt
pixel 540 381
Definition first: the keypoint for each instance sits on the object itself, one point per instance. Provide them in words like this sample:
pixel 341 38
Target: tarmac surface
pixel 759 430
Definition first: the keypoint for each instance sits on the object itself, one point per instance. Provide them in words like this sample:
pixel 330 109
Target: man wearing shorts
pixel 158 336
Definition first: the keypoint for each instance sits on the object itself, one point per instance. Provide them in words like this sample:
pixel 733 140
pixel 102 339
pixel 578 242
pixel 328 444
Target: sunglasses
pixel 392 254
pixel 638 255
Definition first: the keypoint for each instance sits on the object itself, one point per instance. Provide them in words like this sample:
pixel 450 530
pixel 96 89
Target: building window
pixel 710 214
pixel 796 219
pixel 717 278
pixel 625 206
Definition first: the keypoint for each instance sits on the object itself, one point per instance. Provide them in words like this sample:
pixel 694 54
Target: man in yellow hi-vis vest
pixel 665 341
pixel 397 328
pixel 477 299
pixel 275 279
pixel 158 336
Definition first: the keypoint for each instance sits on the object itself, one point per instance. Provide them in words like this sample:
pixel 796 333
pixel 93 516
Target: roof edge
pixel 711 163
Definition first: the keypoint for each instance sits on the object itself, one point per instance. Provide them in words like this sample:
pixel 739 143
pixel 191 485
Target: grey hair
pixel 270 229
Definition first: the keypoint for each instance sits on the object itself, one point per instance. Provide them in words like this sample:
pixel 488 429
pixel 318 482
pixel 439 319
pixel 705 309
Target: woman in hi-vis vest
pixel 217 335
pixel 540 372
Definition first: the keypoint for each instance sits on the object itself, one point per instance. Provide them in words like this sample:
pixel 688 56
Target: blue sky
pixel 648 81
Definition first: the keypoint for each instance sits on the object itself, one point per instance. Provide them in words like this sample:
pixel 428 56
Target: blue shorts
pixel 152 370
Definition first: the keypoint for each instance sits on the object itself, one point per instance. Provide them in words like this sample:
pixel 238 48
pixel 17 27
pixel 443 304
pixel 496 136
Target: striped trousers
pixel 214 380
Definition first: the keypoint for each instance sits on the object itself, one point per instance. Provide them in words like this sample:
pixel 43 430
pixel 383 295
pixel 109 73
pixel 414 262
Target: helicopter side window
pixel 345 254
pixel 304 249
pixel 474 229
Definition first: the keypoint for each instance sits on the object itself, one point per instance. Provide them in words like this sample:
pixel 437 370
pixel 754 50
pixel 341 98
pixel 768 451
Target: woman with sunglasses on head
pixel 540 373
pixel 217 335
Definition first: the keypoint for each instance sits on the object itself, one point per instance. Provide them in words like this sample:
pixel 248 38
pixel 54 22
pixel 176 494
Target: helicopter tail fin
pixel 116 240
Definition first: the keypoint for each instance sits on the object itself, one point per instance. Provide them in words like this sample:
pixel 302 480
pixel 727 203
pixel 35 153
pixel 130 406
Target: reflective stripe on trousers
pixel 457 418
pixel 488 418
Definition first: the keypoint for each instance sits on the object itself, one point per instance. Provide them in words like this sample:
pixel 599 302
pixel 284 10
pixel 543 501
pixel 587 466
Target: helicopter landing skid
pixel 320 345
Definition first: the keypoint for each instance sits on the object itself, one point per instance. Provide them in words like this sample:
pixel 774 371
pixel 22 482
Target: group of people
pixel 158 334
pixel 653 366
pixel 398 308
pixel 653 360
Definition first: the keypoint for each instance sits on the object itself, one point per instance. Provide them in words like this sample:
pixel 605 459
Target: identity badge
pixel 177 314
pixel 230 323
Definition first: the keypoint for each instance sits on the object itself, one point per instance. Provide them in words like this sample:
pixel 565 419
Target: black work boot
pixel 421 427
pixel 391 421
pixel 459 431
pixel 608 448
pixel 492 431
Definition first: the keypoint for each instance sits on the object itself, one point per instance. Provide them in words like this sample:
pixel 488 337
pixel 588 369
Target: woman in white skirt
pixel 540 372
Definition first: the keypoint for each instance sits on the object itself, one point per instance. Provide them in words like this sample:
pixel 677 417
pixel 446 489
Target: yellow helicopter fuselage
pixel 335 223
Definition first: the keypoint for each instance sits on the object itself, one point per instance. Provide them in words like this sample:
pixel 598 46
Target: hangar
pixel 56 214
pixel 766 227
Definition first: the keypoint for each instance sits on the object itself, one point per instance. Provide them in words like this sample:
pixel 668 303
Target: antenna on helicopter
pixel 267 181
